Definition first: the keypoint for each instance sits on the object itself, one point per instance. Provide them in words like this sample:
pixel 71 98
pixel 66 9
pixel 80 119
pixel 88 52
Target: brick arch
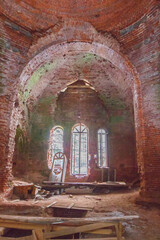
pixel 99 49
pixel 53 53
pixel 120 62
pixel 102 75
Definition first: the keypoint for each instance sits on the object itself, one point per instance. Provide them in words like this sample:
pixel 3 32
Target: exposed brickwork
pixel 110 114
pixel 141 42
pixel 73 56
pixel 61 37
pixel 13 47
pixel 95 115
pixel 103 15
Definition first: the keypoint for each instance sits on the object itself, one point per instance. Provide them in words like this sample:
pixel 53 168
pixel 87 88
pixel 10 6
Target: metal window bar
pixel 57 142
pixel 79 130
pixel 102 148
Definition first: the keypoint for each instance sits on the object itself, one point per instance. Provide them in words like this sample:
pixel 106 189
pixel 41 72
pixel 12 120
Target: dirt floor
pixel 119 203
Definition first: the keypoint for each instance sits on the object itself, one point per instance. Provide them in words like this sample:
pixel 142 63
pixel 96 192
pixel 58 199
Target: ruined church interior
pixel 80 119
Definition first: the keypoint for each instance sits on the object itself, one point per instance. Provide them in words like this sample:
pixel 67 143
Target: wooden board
pixel 88 184
pixel 20 238
pixel 47 228
pixel 109 238
pixel 71 230
pixel 52 220
pixel 52 186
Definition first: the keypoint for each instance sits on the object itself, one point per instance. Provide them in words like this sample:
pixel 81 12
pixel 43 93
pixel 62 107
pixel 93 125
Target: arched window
pixel 102 148
pixel 55 143
pixel 79 149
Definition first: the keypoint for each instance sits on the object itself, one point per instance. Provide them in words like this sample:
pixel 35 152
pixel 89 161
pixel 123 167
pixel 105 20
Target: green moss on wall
pixel 158 95
pixel 116 119
pixel 37 75
pixel 20 140
pixel 42 120
pixel 1 85
pixel 86 59
pixel 113 102
pixel 2 47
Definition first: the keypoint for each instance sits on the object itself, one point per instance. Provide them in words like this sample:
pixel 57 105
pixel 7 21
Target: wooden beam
pixel 52 220
pixel 21 238
pixel 74 230
pixel 70 206
pixel 110 238
pixel 2 231
pixel 51 204
pixel 21 225
pixel 101 231
pixel 38 234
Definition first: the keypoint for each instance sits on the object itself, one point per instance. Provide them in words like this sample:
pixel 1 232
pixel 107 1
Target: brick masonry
pixel 131 66
pixel 95 111
pixel 142 42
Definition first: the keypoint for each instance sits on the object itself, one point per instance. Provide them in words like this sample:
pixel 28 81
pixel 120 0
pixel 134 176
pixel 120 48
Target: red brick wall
pixel 141 41
pixel 95 114
pixel 13 45
pixel 118 121
pixel 138 35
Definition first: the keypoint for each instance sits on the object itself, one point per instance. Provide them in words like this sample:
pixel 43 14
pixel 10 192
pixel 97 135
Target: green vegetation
pixel 116 119
pixel 112 102
pixel 42 120
pixel 2 46
pixel 21 141
pixel 87 58
pixel 37 75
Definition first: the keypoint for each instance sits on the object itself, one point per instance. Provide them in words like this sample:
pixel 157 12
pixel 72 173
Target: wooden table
pixel 45 228
pixel 51 186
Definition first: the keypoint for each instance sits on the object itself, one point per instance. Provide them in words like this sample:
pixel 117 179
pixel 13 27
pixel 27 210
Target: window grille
pixel 102 148
pixel 79 149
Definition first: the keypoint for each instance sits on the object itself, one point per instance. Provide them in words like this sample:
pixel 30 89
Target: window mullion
pixel 74 153
pixel 100 149
pixel 80 151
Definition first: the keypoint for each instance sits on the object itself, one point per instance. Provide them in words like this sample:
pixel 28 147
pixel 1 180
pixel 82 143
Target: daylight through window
pixel 57 143
pixel 80 149
pixel 102 148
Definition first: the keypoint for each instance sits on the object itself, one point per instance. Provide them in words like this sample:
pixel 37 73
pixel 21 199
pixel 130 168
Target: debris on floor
pixel 25 191
pixel 67 210
pixel 117 204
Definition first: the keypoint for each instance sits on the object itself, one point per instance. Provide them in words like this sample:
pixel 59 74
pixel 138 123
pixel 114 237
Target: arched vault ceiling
pixel 54 76
pixel 104 15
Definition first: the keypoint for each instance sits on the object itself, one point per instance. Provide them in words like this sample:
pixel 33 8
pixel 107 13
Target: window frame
pixel 53 130
pixel 106 149
pixel 87 160
pixel 50 143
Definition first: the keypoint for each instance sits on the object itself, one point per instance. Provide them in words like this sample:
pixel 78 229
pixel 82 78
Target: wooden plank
pixel 101 231
pixel 62 227
pixel 38 234
pixel 75 207
pixel 109 238
pixel 21 238
pixel 52 220
pixel 51 204
pixel 2 231
pixel 87 184
pixel 118 228
pixel 70 206
pixel 29 226
pixel 80 229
